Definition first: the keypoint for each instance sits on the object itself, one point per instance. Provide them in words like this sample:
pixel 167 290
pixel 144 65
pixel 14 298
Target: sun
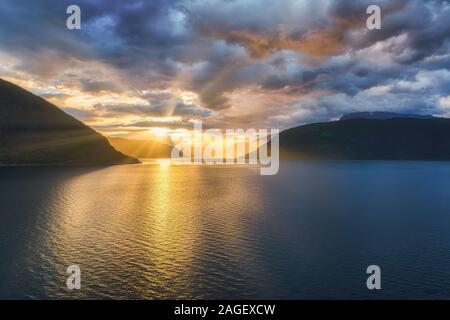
pixel 164 163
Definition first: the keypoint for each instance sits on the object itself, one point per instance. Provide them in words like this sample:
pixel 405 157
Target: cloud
pixel 91 85
pixel 152 110
pixel 244 62
pixel 445 103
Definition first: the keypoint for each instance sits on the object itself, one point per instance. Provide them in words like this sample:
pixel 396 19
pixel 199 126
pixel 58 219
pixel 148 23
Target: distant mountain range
pixel 382 115
pixel 363 137
pixel 141 149
pixel 36 132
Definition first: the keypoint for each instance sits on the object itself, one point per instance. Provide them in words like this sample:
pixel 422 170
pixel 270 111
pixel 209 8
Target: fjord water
pixel 156 232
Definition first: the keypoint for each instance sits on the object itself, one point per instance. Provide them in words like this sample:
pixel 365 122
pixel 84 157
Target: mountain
pixel 381 115
pixel 407 138
pixel 141 149
pixel 36 132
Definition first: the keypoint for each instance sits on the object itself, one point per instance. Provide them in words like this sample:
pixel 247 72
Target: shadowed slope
pixel 369 139
pixel 36 132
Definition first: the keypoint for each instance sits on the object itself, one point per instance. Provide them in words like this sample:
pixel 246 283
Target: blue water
pixel 158 232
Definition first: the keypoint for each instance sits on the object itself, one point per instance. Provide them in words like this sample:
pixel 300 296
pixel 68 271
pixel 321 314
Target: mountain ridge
pixel 34 131
pixel 369 139
pixel 382 115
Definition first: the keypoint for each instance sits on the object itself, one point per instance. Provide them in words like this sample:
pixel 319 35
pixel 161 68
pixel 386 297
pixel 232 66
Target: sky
pixel 139 68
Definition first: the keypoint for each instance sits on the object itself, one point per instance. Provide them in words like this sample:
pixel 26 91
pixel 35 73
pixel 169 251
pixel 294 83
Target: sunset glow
pixel 282 64
pixel 223 153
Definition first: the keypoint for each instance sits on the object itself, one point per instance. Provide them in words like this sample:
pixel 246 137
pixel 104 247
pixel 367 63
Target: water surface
pixel 157 232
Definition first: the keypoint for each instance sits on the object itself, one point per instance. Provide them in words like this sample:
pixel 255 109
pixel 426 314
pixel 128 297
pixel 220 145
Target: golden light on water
pixel 146 231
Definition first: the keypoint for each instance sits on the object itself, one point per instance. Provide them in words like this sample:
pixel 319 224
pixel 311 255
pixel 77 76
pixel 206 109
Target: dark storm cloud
pixel 424 22
pixel 90 85
pixel 131 35
pixel 154 110
pixel 219 48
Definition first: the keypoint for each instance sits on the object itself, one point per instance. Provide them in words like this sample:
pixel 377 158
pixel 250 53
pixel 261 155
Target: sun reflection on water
pixel 164 163
pixel 149 231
